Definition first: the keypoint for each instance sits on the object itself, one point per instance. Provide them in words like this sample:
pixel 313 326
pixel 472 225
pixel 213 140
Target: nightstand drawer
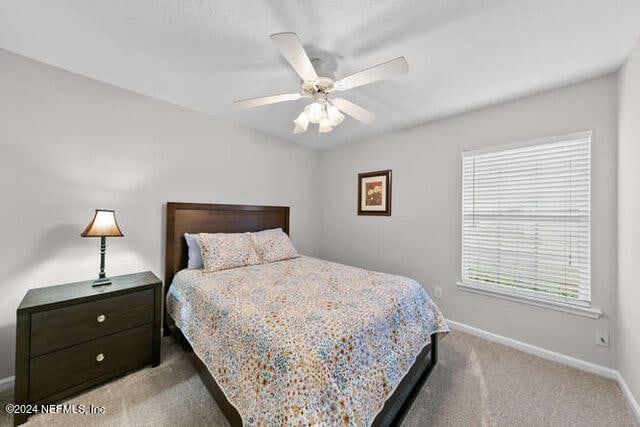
pixel 59 328
pixel 98 359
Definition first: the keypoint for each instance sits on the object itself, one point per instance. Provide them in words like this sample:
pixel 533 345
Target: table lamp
pixel 103 225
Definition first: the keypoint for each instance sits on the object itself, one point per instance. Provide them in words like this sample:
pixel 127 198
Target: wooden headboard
pixel 213 218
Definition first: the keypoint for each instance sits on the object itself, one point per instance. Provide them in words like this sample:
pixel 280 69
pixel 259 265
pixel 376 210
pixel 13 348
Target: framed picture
pixel 374 193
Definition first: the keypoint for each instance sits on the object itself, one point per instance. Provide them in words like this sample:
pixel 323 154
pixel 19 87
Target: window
pixel 526 220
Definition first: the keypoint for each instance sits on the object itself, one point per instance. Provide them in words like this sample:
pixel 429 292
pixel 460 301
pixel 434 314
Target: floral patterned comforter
pixel 304 341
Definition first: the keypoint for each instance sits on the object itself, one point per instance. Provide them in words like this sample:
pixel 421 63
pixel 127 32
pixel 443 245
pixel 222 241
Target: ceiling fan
pixel 326 109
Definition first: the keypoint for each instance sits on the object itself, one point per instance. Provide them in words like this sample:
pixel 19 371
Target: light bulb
pixel 334 115
pixel 325 126
pixel 301 122
pixel 314 112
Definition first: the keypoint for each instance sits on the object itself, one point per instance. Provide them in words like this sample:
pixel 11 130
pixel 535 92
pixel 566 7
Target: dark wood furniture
pixel 74 336
pixel 214 218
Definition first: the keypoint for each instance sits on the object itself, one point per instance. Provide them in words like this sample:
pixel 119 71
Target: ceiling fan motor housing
pixel 319 89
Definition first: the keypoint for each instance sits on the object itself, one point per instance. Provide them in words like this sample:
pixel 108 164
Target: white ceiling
pixel 205 54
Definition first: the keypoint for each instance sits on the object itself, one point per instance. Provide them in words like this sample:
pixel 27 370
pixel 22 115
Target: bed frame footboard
pixel 399 403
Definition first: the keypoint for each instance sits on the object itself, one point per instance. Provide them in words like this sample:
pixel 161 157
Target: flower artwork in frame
pixel 374 193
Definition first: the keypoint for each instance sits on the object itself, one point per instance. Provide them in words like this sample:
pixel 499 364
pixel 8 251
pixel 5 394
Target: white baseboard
pixel 6 383
pixel 635 406
pixel 537 351
pixel 553 356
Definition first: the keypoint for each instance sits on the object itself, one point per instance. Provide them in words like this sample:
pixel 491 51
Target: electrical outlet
pixel 437 292
pixel 601 337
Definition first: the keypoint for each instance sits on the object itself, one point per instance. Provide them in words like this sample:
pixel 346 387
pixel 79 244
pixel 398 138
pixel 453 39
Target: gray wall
pixel 69 145
pixel 629 224
pixel 422 237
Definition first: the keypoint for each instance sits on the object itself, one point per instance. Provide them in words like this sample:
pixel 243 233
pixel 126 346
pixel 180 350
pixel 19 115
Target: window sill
pixel 590 312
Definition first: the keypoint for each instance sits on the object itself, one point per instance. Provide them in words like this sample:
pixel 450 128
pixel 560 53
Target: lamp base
pixel 101 282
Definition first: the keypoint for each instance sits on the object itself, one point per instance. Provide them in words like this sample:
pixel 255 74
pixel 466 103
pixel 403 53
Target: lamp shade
pixel 103 224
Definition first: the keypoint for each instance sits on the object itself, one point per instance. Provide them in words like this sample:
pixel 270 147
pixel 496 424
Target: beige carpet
pixel 475 383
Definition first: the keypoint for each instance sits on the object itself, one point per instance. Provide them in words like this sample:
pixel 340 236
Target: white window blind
pixel 526 219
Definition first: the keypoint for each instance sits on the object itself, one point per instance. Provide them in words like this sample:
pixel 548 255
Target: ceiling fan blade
pixel 291 48
pixel 353 110
pixel 373 74
pixel 266 100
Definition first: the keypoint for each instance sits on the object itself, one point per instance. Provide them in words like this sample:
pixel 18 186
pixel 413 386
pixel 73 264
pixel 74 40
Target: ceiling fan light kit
pixel 323 113
pixel 302 122
pixel 315 112
pixel 326 110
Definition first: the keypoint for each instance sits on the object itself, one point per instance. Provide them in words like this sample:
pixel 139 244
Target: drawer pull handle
pixel 101 318
pixel 100 357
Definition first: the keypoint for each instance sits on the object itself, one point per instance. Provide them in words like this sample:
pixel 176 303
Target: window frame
pixel 523 295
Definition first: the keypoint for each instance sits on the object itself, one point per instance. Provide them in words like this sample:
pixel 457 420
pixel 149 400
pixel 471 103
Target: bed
pixel 287 342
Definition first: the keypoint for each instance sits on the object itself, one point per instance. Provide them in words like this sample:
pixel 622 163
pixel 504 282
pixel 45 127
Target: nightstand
pixel 71 337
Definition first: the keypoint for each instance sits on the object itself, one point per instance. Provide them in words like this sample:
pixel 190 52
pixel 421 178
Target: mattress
pixel 304 341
